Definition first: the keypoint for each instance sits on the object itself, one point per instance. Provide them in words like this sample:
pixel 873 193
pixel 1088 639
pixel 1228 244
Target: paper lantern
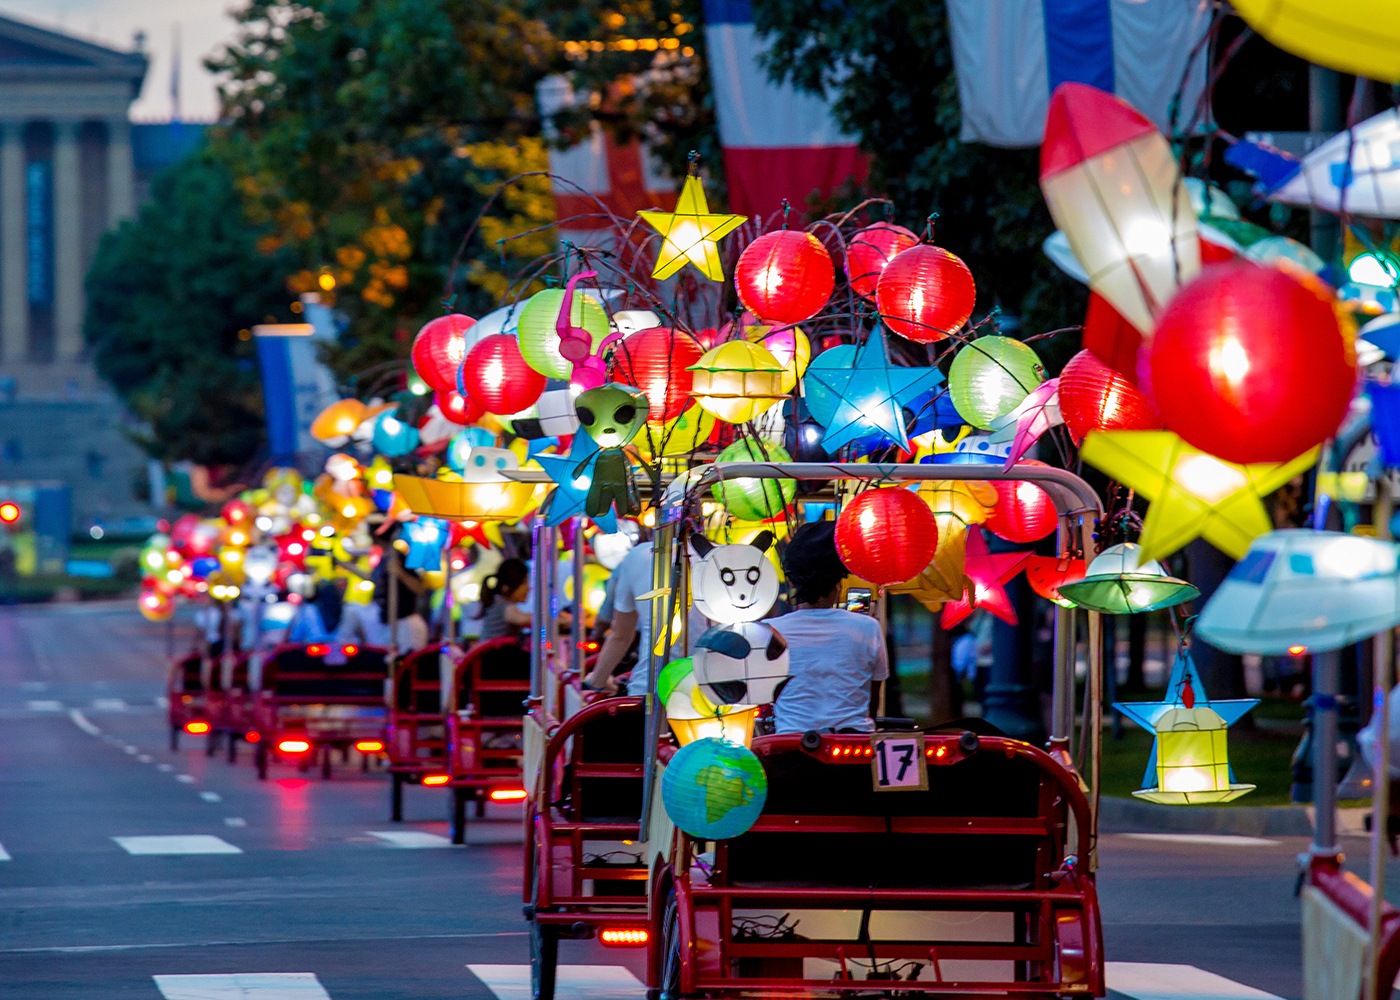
pixel 713 789
pixel 497 377
pixel 790 347
pixel 1250 364
pixel 1355 38
pixel 1121 582
pixel 260 563
pixel 733 583
pixel 1094 397
pixel 680 436
pixel 737 381
pixel 754 499
pixel 690 234
pixel 990 377
pixel 988 573
pixel 1320 590
pixel 784 276
pixel 886 535
pixel 1193 761
pixel 1322 179
pixel 657 361
pixel 1024 512
pixel 857 393
pixel 456 407
pixel 740 663
pixel 692 716
pixel 1031 418
pixel 870 249
pixel 155 606
pixel 539 334
pixel 393 437
pixel 439 348
pixel 925 294
pixel 1046 574
pixel 334 425
pixel 1111 183
pixel 463 501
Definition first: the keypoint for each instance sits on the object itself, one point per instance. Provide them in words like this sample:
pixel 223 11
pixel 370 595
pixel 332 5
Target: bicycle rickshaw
pixel 230 702
pixel 415 737
pixel 187 697
pixel 982 882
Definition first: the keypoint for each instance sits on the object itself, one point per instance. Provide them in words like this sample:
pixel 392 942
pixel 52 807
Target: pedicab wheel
pixel 671 949
pixel 232 748
pixel 544 949
pixel 304 761
pixel 396 798
pixel 260 758
pixel 174 738
pixel 326 761
pixel 211 743
pixel 459 815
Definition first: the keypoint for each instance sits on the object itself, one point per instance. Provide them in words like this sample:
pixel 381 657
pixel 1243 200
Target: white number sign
pixel 898 763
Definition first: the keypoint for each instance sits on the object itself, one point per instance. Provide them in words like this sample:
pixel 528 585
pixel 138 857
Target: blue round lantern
pixel 201 568
pixel 714 789
pixel 393 437
pixel 462 444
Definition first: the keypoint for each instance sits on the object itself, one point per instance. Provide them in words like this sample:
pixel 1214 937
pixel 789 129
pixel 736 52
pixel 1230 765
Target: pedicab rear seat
pixel 417 731
pixel 968 880
pixel 186 693
pixel 490 684
pixel 306 695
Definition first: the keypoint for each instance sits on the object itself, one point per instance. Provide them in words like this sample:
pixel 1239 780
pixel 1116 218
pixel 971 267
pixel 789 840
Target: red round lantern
pixel 925 293
pixel 497 377
pixel 1250 364
pixel 237 512
pixel 439 348
pixel 1047 574
pixel 886 536
pixel 657 361
pixel 1023 512
pixel 458 408
pixel 870 250
pixel 1094 397
pixel 785 276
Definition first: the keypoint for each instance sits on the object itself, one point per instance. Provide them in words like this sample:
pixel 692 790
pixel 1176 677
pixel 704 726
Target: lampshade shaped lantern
pixel 156 606
pixel 784 276
pixel 1120 582
pixel 754 499
pixel 991 376
pixel 1094 397
pixel 1023 512
pixel 737 380
pixel 925 293
pixel 439 348
pixel 657 361
pixel 539 333
pixel 1193 760
pixel 790 347
pixel 886 535
pixel 335 424
pixel 497 377
pixel 1345 37
pixel 870 250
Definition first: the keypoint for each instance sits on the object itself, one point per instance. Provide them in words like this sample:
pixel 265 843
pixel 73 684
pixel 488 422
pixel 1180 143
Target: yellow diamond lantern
pixel 737 381
pixel 691 233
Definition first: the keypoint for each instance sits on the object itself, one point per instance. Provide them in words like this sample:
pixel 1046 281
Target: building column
pixel 67 243
pixel 14 295
pixel 121 185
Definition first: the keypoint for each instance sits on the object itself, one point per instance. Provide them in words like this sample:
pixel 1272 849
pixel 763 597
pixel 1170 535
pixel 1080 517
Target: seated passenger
pixel 836 657
pixel 501 594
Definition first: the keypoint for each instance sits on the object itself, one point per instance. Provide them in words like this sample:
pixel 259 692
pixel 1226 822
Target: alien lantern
pixel 611 415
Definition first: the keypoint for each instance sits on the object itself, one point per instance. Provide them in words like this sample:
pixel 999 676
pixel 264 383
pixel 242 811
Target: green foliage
pixel 887 65
pixel 168 294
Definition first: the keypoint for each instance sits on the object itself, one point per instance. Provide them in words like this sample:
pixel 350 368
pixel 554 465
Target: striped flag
pixel 778 142
pixel 1011 54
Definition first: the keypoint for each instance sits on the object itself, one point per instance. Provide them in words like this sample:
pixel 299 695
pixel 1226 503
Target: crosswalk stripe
pixel 44 706
pixel 109 705
pixel 1213 839
pixel 573 982
pixel 4 854
pixel 243 986
pixel 411 838
pixel 199 843
pixel 1157 981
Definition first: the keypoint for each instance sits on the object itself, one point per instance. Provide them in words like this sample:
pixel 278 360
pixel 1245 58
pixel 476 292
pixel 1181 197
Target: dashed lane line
pixel 211 796
pixel 82 722
pixel 44 706
pixel 4 854
pixel 1211 839
pixel 235 821
pixel 185 779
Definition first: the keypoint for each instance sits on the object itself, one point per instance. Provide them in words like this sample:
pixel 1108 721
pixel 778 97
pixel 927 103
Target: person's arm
pixel 517 617
pixel 619 641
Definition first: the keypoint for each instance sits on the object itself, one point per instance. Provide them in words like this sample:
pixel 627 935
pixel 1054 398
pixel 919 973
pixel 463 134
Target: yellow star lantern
pixel 691 233
pixel 1193 494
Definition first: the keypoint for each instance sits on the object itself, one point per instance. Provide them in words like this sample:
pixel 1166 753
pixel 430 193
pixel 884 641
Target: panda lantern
pixel 611 415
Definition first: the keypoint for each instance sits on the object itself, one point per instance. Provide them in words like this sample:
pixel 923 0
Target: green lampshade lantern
pixel 990 377
pixel 539 334
pixel 755 499
pixel 1120 582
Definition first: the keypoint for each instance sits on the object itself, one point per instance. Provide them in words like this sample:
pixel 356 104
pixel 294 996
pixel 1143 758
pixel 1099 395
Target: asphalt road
pixel 313 889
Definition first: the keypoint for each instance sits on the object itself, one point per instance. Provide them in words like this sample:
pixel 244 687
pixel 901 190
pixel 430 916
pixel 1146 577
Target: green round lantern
pixel 539 333
pixel 755 499
pixel 990 377
pixel 714 789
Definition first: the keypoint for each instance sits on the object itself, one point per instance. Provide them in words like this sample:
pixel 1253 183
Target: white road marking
pixel 187 779
pixel 243 986
pixel 162 702
pixel 33 686
pixel 144 758
pixel 82 722
pixel 109 705
pixel 131 749
pixel 167 768
pixel 235 821
pixel 1155 981
pixel 198 843
pixel 4 854
pixel 1214 839
pixel 44 706
pixel 211 796
pixel 411 838
pixel 575 982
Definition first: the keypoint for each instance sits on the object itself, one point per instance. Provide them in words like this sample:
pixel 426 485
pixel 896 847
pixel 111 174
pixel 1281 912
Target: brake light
pixel 508 795
pixel 252 736
pixel 623 937
pixel 369 746
pixel 350 649
pixel 436 779
pixel 1297 650
pixel 196 727
pixel 317 649
pixel 294 746
pixel 589 647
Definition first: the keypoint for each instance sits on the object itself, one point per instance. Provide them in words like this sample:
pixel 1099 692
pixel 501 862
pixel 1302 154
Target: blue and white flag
pixel 296 386
pixel 1011 54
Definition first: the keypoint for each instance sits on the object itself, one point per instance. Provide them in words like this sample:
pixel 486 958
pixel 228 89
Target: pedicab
pixel 187 697
pixel 228 702
pixel 416 729
pixel 979 880
pixel 316 698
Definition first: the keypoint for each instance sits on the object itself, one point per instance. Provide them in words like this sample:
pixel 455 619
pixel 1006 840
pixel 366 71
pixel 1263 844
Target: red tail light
pixel 508 795
pixel 196 727
pixel 369 746
pixel 623 937
pixel 294 746
pixel 436 779
pixel 317 649
pixel 350 649
pixel 252 736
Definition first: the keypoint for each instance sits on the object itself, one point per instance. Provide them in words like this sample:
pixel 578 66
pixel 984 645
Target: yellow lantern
pixel 338 421
pixel 1193 761
pixel 790 346
pixel 1356 37
pixel 735 726
pixel 737 381
pixel 459 501
pixel 677 437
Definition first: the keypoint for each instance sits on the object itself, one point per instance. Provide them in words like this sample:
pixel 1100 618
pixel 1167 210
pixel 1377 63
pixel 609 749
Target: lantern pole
pixel 665 577
pixel 542 545
pixel 576 630
pixel 447 602
pixel 1062 706
pixel 1325 671
pixel 1383 661
pixel 391 580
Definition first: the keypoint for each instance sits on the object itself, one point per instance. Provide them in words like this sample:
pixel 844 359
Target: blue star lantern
pixel 867 397
pixel 574 474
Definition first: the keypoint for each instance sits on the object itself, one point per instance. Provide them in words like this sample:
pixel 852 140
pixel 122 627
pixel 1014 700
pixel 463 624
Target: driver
pixel 836 658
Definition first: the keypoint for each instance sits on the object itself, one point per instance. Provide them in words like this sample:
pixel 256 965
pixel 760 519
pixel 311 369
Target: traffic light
pixel 9 512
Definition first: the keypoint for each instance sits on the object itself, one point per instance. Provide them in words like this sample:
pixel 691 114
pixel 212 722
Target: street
pixel 302 875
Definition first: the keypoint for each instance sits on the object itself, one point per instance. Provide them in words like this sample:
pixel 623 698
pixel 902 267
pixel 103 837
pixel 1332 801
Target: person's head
pixel 510 583
pixel 812 565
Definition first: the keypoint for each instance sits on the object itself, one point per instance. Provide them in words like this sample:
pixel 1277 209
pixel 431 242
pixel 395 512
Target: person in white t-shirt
pixel 837 659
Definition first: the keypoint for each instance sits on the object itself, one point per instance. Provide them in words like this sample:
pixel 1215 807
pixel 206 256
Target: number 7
pixel 905 753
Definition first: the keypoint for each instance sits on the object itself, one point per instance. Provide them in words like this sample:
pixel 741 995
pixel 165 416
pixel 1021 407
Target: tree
pixel 171 297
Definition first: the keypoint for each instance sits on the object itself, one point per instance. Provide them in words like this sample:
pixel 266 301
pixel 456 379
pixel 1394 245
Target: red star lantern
pixel 989 574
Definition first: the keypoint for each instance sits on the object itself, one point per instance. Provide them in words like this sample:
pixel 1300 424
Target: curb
pixel 1131 816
